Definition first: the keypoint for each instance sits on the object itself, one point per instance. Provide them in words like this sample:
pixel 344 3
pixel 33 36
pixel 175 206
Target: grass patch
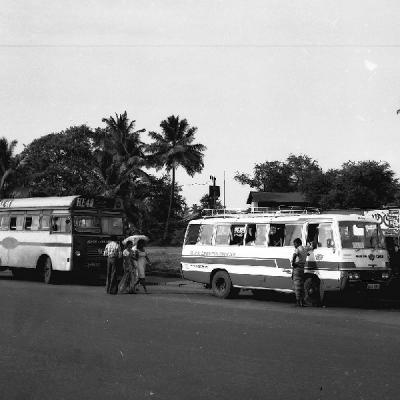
pixel 165 261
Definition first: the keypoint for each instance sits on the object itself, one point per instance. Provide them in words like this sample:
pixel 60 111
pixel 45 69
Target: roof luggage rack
pixel 258 211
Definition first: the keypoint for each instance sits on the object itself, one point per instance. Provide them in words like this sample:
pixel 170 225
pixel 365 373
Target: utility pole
pixel 224 191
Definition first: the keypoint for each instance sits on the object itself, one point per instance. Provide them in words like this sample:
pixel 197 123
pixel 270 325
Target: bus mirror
pixel 330 243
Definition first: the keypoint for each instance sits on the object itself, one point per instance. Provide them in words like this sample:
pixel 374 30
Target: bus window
pixel 292 232
pixel 32 222
pixel 276 235
pixel 261 235
pixel 206 233
pixel 89 224
pixel 4 222
pixel 192 234
pixel 325 235
pixel 45 222
pixel 237 235
pixel 16 222
pixel 312 233
pixel 111 225
pixel 359 235
pixel 250 239
pixel 223 235
pixel 61 224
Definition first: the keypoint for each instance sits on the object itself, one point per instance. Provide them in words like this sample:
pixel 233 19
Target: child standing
pixel 141 260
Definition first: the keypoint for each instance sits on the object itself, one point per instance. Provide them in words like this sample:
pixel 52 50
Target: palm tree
pixel 174 148
pixel 120 155
pixel 6 162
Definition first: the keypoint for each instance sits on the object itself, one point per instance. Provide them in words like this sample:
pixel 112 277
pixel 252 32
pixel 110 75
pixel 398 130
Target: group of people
pixel 134 260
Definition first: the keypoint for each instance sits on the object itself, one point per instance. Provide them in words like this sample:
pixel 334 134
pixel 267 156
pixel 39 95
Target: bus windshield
pixel 360 235
pixel 112 225
pixel 87 223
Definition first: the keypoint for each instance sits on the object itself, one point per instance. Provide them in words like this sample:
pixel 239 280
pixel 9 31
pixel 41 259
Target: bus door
pixel 292 231
pixel 320 236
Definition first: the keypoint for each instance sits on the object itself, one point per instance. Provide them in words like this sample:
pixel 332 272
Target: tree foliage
pixel 174 147
pixel 120 155
pixel 60 164
pixel 110 161
pixel 7 163
pixel 362 184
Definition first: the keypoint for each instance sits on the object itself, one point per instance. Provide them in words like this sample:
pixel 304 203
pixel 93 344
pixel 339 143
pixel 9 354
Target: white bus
pixel 254 251
pixel 51 234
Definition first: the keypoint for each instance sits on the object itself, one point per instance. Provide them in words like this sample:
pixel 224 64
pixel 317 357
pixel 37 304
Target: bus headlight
pixel 354 275
pixel 385 275
pixel 77 253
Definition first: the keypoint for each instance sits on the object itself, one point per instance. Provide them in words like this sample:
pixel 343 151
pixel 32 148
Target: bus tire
pixel 45 269
pixel 222 285
pixel 312 292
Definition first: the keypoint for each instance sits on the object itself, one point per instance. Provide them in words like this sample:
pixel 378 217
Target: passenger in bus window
pixel 55 225
pixel 237 235
pixel 276 235
pixel 68 225
pixel 250 236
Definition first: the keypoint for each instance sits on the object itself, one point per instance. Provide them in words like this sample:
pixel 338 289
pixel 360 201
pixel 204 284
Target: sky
pixel 259 79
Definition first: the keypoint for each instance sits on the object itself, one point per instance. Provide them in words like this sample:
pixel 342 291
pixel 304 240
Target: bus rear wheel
pixel 312 291
pixel 222 285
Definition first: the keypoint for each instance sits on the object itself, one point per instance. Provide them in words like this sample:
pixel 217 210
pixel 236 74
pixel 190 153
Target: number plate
pixel 373 286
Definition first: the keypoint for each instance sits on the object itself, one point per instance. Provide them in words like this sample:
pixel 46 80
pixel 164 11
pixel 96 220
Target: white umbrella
pixel 134 239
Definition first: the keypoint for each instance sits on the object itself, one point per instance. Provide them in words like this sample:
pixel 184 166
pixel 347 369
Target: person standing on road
pixel 298 263
pixel 141 259
pixel 113 253
pixel 128 279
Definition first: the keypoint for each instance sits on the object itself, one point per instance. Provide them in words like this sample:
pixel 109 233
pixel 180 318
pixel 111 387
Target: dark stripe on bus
pixel 280 262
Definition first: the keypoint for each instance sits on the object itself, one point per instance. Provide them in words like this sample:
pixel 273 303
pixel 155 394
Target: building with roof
pixel 276 199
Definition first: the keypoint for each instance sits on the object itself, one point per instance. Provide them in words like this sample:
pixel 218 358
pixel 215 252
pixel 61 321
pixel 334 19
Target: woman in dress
pixel 142 259
pixel 128 279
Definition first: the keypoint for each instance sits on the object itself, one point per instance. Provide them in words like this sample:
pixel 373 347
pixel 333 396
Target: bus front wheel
pixel 222 285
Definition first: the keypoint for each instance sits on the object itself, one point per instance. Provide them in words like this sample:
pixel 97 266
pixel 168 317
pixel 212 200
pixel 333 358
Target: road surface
pixel 73 341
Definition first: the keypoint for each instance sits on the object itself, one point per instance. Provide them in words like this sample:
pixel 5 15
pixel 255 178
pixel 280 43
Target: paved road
pixel 72 341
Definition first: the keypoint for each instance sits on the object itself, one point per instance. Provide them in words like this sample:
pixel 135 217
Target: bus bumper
pixel 370 281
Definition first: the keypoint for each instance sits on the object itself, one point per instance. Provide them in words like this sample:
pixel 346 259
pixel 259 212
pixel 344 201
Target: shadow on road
pixel 338 301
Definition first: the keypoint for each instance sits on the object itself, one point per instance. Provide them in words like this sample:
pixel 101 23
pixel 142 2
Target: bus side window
pixel 13 223
pixel 250 239
pixel 276 235
pixel 31 222
pixel 312 235
pixel 292 232
pixel 45 222
pixel 17 222
pixel 55 224
pixel 325 235
pixel 223 235
pixel 28 223
pixel 61 224
pixel 20 222
pixel 237 235
pixel 261 235
pixel 35 222
pixel 206 234
pixel 192 234
pixel 4 222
